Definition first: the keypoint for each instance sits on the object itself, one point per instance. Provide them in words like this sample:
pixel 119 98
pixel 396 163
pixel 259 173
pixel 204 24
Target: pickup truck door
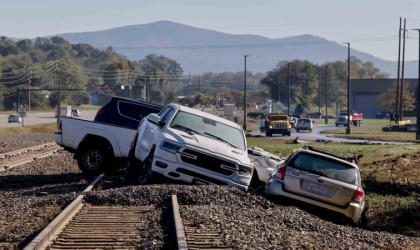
pixel 147 133
pixel 145 139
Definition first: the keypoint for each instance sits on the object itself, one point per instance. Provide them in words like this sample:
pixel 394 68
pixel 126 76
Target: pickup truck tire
pixel 145 174
pixel 93 160
pixel 133 164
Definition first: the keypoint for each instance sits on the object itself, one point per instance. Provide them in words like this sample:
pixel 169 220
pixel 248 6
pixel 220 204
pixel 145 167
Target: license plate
pixel 317 188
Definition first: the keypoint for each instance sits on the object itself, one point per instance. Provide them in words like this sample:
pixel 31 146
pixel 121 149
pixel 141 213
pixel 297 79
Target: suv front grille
pixel 208 162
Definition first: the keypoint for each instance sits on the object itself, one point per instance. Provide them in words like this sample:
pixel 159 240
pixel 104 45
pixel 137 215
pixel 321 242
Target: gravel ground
pixel 248 221
pixel 10 143
pixel 31 195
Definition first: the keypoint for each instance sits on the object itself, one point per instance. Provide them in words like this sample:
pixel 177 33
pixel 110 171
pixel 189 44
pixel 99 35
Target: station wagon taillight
pixel 358 195
pixel 281 172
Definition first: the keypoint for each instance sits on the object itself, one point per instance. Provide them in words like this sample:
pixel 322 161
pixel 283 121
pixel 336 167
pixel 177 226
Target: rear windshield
pixel 326 167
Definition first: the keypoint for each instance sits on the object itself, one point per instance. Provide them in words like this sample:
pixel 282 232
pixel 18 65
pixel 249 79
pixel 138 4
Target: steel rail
pixel 26 155
pixel 43 239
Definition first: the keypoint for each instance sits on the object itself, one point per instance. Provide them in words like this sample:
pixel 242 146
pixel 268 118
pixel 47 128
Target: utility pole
pixel 402 73
pixel 145 88
pixel 348 129
pixel 29 86
pixel 244 126
pixel 397 97
pixel 279 89
pixel 418 96
pixel 288 88
pixel 319 93
pixel 326 94
pixel 59 103
pixel 55 74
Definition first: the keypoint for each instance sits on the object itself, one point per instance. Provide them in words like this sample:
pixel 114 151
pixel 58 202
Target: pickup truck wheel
pixel 145 173
pixel 133 164
pixel 92 160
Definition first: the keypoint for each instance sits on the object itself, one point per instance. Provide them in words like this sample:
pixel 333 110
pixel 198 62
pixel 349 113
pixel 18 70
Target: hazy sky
pixel 369 25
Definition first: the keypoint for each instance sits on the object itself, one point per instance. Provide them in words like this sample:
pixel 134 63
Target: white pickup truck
pixel 190 146
pixel 103 145
pixel 97 147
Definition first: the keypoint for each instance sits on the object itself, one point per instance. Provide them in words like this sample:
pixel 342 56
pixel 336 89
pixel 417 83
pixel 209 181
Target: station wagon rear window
pixel 326 167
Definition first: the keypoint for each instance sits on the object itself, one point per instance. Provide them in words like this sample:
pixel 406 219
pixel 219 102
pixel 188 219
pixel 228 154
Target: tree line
pixel 39 67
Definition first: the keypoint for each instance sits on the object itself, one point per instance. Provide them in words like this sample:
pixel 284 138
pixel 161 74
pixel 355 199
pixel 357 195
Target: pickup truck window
pixel 191 123
pixel 164 116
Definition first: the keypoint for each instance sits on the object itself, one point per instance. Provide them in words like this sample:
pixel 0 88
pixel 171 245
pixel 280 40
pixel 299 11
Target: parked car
pixel 304 124
pixel 323 179
pixel 76 112
pixel 15 118
pixel 293 121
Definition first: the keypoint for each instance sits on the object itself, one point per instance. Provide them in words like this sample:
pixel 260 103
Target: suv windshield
pixel 207 127
pixel 325 167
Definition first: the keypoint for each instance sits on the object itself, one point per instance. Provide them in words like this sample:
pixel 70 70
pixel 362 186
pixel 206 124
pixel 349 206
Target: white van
pixel 65 111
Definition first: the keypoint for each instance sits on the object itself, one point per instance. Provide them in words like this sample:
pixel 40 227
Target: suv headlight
pixel 170 146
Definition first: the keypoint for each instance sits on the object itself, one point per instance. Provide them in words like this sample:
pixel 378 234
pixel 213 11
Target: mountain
pixel 202 50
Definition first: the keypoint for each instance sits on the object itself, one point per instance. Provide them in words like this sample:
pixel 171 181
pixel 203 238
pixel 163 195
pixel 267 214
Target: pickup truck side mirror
pixel 153 118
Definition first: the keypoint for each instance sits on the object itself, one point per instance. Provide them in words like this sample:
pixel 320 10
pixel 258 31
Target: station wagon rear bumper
pixel 353 210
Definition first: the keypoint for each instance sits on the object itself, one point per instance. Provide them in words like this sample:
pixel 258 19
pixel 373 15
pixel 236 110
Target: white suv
pixel 304 124
pixel 191 146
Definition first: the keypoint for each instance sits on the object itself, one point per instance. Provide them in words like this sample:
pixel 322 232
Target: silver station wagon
pixel 320 178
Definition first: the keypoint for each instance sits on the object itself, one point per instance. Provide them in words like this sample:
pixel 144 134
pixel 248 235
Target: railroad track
pixel 85 226
pixel 15 158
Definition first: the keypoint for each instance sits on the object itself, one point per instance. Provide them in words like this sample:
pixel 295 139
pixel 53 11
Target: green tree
pixel 304 81
pixel 387 99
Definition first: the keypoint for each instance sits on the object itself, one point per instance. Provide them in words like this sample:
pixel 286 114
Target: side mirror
pixel 153 118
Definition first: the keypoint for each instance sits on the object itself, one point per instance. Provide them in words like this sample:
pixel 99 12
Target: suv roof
pixel 126 112
pixel 352 160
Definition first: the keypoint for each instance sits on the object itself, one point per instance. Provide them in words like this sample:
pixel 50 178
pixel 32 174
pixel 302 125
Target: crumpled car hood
pixel 208 144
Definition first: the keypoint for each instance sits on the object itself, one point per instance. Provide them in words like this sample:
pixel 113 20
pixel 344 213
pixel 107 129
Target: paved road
pixel 39 118
pixel 317 136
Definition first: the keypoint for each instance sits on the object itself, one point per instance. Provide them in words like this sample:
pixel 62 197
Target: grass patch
pixel 48 128
pixel 372 130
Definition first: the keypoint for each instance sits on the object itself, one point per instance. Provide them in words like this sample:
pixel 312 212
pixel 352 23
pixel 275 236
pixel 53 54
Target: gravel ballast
pixel 32 194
